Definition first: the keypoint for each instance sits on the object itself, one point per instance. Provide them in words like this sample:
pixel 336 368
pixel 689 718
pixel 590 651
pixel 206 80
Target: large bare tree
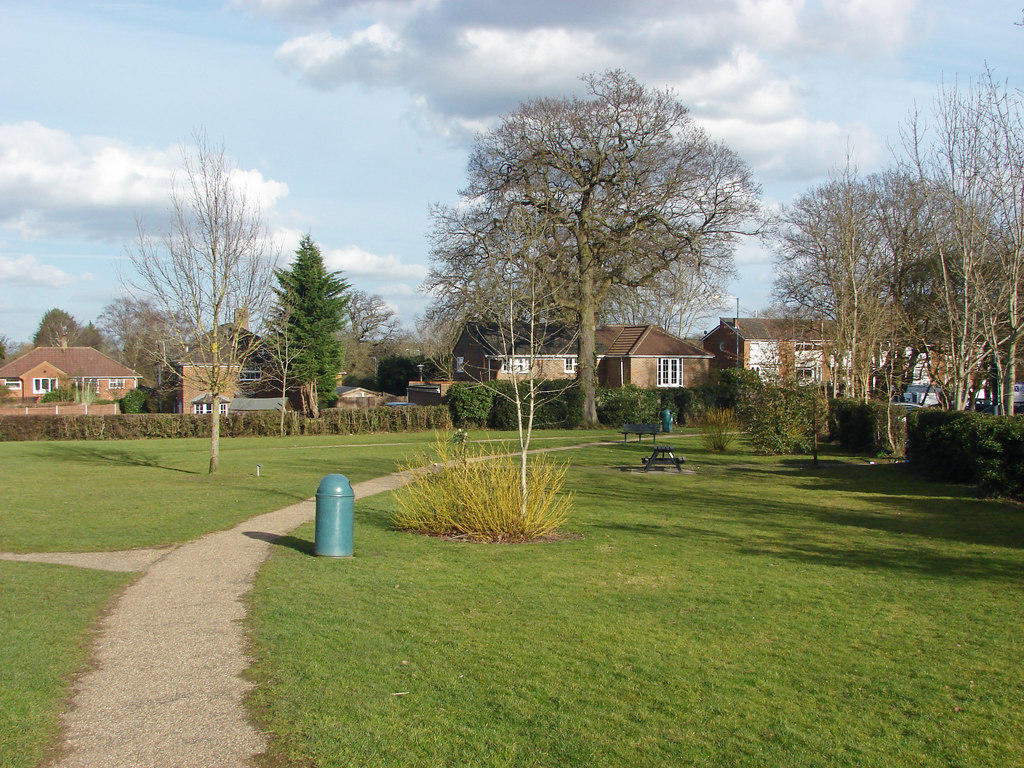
pixel 623 186
pixel 212 269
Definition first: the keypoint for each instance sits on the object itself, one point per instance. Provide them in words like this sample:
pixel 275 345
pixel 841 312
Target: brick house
pixel 770 346
pixel 182 382
pixel 648 356
pixel 44 369
pixel 642 355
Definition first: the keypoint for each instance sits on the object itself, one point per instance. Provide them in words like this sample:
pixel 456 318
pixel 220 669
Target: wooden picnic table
pixel 664 455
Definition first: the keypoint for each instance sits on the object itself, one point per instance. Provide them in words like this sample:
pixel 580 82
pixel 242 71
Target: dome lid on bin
pixel 335 485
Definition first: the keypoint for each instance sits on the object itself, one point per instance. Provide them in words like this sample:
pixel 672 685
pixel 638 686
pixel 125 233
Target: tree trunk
pixel 588 351
pixel 215 434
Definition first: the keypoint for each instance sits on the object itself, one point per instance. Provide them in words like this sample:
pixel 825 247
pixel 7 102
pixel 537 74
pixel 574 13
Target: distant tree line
pixel 922 263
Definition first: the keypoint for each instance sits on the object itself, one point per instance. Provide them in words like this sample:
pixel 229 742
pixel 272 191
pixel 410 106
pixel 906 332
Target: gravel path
pixel 166 689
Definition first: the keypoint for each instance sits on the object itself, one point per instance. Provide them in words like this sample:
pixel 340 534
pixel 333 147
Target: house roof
pixel 76 362
pixel 643 340
pixel 257 404
pixel 614 340
pixel 355 392
pixel 772 328
pixel 553 339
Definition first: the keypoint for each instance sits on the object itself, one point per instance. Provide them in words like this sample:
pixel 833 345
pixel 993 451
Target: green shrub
pixel 61 395
pixel 872 427
pixel 559 405
pixel 628 405
pixel 781 418
pixel 134 401
pixel 469 404
pixel 966 447
pixel 479 497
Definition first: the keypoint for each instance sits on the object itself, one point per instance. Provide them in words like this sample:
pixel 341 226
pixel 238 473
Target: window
pixel 91 385
pixel 14 383
pixel 518 365
pixel 670 372
pixel 42 386
pixel 208 408
pixel 460 365
pixel 115 384
pixel 249 375
pixel 570 365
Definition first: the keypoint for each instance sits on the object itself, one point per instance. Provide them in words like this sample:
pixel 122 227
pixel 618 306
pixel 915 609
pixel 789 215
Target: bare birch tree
pixel 212 270
pixel 951 167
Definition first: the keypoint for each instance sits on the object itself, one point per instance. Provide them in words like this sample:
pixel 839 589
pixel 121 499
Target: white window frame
pixel 37 386
pixel 206 408
pixel 569 364
pixel 115 384
pixel 670 371
pixel 91 384
pixel 516 365
pixel 14 384
pixel 460 364
pixel 250 374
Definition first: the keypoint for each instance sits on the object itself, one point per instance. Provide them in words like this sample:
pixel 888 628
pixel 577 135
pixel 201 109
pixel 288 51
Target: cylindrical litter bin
pixel 335 510
pixel 666 420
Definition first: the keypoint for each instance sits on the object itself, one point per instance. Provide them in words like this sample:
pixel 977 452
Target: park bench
pixel 640 430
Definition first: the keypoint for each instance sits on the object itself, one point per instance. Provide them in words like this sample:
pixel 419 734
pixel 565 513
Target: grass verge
pixel 44 615
pixel 756 613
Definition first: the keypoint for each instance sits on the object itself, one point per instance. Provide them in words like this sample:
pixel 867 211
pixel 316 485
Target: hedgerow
pixel 134 426
pixel 967 447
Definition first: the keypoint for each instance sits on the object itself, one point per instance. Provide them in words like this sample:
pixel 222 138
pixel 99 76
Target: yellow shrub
pixel 718 429
pixel 471 494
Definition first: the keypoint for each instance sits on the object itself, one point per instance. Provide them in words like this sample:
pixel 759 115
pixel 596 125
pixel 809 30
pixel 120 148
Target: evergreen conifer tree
pixel 311 310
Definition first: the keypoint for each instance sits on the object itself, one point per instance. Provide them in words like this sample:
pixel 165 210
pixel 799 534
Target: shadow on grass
pixel 917 560
pixel 108 455
pixel 302 546
pixel 841 514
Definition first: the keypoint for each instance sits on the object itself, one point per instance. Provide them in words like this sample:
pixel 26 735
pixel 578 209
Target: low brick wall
pixel 60 409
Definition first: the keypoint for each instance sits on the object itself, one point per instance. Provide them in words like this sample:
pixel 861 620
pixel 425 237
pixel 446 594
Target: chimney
pixel 63 340
pixel 242 318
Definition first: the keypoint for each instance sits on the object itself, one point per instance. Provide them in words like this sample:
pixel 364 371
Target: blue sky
pixel 354 117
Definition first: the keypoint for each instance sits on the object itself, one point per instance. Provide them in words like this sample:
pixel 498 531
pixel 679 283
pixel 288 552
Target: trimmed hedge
pixel 559 406
pixel 965 447
pixel 628 405
pixel 134 426
pixel 862 427
pixel 469 404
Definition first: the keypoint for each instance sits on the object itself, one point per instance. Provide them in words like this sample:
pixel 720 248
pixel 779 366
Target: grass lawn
pixel 758 613
pixel 82 496
pixel 44 615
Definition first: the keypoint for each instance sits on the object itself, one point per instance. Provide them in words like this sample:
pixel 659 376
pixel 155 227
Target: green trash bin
pixel 335 511
pixel 666 420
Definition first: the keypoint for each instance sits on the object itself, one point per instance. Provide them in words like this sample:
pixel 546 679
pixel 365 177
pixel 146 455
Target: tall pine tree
pixel 311 313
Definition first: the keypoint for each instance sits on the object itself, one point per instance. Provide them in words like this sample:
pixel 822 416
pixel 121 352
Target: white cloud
pixel 740 65
pixel 356 262
pixel 28 271
pixel 56 184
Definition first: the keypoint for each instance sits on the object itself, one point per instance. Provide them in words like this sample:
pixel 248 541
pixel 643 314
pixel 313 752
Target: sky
pixel 350 119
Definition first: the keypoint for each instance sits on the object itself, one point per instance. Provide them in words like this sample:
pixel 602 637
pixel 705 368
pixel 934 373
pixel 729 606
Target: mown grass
pixel 757 613
pixel 85 496
pixel 44 615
